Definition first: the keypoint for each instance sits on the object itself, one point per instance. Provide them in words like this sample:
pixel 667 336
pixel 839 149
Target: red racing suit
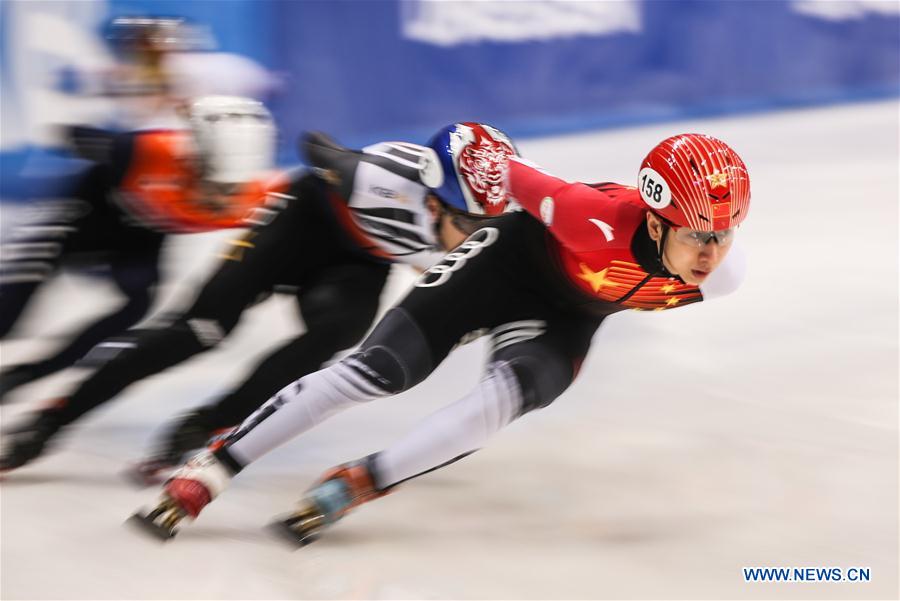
pixel 600 242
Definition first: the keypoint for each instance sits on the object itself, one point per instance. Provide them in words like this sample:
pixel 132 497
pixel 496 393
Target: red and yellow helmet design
pixel 696 181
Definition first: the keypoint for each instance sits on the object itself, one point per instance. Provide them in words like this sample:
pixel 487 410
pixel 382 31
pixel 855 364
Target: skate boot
pixel 337 492
pixel 184 495
pixel 26 442
pixel 188 432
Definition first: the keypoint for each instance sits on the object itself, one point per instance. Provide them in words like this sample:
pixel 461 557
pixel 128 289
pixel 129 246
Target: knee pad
pixel 395 356
pixel 542 374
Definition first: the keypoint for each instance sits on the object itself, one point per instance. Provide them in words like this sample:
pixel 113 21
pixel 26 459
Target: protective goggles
pixel 701 239
pixel 466 222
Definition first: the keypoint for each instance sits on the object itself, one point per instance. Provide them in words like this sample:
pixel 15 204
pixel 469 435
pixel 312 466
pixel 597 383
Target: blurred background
pixel 675 460
pixel 378 69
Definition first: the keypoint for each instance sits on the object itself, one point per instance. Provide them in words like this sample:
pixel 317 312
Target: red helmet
pixel 696 181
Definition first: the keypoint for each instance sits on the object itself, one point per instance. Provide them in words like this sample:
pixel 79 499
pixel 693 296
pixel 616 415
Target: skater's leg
pixel 31 256
pixel 440 439
pixel 16 289
pixel 338 308
pixel 137 279
pixel 338 293
pixel 395 357
pixel 240 279
pixel 403 350
pixel 61 230
pixel 139 354
pixel 36 247
pixel 28 260
pixel 148 352
pixel 18 282
pixel 518 379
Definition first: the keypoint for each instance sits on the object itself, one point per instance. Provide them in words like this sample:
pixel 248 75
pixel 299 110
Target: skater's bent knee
pixel 541 379
pixel 380 367
pixel 396 355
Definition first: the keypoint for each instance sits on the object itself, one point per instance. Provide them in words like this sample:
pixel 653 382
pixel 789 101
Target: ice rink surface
pixel 760 429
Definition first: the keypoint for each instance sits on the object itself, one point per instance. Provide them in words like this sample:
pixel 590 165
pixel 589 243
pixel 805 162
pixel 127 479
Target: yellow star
pixel 672 301
pixel 237 254
pixel 668 288
pixel 717 179
pixel 597 279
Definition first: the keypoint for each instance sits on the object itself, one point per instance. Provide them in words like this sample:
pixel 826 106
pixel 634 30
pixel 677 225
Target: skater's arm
pixel 577 215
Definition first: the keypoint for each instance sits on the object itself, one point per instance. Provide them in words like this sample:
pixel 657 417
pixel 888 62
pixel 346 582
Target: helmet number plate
pixel 654 189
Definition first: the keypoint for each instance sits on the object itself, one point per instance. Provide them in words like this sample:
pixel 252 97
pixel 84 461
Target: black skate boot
pixel 186 433
pixel 340 490
pixel 26 442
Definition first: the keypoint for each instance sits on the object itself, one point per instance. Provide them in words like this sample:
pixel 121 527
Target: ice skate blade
pixel 288 535
pixel 143 523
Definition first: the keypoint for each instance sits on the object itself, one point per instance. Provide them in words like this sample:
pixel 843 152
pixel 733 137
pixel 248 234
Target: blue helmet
pixel 474 158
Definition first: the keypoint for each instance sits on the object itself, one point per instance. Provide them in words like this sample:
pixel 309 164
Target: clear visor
pixel 700 239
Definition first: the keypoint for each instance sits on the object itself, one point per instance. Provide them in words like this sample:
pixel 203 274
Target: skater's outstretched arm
pixel 577 215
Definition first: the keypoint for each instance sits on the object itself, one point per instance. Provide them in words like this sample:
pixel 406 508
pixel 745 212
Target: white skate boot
pixel 185 494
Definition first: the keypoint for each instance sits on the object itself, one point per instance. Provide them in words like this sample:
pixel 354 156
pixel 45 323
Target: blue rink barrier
pixel 365 70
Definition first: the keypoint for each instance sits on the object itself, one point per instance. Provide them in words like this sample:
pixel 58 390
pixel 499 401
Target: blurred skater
pixel 140 187
pixel 327 237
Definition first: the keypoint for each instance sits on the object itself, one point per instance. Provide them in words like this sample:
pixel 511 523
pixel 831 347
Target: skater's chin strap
pixel 649 252
pixel 660 249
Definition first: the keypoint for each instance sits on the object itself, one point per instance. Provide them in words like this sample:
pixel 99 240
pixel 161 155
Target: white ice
pixel 760 429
